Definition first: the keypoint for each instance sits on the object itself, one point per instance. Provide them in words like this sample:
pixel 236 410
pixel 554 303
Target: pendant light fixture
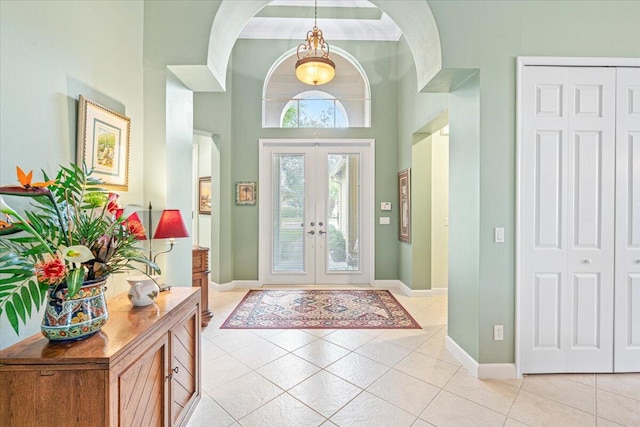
pixel 314 65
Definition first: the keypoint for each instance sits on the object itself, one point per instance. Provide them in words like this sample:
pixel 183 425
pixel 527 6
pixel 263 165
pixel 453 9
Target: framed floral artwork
pixel 404 201
pixel 103 143
pixel 246 193
pixel 204 195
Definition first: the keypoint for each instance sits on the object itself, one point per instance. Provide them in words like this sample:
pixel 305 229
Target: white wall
pixel 50 53
pixel 439 210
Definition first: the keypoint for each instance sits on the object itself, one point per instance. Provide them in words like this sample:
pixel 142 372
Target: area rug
pixel 320 309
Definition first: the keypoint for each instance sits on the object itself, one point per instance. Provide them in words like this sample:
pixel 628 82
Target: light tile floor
pixel 376 378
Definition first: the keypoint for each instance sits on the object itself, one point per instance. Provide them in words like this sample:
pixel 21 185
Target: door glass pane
pixel 343 212
pixel 288 213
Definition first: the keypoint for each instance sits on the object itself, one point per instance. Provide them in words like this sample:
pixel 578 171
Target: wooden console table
pixel 141 369
pixel 200 277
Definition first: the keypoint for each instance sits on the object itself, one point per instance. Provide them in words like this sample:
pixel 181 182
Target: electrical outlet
pixel 498 332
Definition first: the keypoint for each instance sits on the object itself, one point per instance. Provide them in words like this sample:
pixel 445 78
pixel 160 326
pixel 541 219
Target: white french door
pixel 580 220
pixel 316 212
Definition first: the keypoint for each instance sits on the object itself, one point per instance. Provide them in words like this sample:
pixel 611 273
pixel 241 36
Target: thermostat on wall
pixel 385 206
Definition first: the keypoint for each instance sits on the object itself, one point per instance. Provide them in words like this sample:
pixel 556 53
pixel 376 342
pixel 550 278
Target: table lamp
pixel 171 226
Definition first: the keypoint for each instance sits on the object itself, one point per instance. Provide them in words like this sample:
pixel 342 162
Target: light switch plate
pixel 385 206
pixel 498 234
pixel 385 220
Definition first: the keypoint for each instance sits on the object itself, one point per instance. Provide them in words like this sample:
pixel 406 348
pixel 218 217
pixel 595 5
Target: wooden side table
pixel 141 369
pixel 200 277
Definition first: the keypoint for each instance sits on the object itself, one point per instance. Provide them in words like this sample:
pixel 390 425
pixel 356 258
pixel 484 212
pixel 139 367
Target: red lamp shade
pixel 171 225
pixel 135 226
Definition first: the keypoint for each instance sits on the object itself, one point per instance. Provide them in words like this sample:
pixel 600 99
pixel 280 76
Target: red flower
pixel 112 205
pixel 136 228
pixel 51 271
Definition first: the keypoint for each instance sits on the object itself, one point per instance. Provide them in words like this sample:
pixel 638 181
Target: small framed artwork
pixel 404 196
pixel 204 195
pixel 245 193
pixel 103 143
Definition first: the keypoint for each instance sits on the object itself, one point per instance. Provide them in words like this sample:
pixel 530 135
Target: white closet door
pixel 567 211
pixel 627 308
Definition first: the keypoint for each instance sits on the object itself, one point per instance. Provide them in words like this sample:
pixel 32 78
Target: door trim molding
pixel 343 142
pixel 521 63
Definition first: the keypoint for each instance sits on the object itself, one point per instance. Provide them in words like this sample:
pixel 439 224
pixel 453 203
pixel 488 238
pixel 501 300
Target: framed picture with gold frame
pixel 246 193
pixel 204 195
pixel 103 143
pixel 404 201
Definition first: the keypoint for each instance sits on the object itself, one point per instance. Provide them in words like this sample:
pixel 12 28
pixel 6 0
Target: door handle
pixel 311 232
pixel 587 261
pixel 321 232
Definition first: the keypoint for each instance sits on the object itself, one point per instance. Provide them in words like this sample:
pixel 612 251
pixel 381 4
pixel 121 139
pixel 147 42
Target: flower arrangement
pixel 71 235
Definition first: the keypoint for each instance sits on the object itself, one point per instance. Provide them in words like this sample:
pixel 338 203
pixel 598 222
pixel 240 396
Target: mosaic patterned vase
pixel 77 317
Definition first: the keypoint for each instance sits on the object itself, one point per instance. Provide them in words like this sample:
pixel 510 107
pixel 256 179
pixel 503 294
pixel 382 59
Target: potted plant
pixel 62 250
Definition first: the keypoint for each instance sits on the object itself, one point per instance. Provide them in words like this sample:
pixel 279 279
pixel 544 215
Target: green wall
pixel 421 195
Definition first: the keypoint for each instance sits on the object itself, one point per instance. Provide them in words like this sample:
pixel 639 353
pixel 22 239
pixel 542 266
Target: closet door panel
pixel 567 191
pixel 627 306
pixel 591 209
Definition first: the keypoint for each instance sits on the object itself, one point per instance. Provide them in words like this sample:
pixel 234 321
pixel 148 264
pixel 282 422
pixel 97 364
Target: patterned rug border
pixel 225 324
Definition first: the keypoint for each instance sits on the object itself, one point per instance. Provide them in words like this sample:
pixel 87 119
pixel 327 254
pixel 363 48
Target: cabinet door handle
pixel 170 376
pixel 587 261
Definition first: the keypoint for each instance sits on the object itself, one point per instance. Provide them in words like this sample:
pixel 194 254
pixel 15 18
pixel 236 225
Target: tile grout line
pixel 513 402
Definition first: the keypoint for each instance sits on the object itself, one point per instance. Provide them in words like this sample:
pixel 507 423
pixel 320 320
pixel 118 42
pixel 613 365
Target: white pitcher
pixel 143 290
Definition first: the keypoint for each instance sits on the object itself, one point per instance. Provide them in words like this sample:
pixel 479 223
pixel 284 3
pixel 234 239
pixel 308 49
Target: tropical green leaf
pixel 14 279
pixel 35 293
pixel 74 281
pixel 18 304
pixel 26 299
pixel 12 317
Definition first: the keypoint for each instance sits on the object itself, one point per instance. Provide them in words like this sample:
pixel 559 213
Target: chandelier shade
pixel 314 65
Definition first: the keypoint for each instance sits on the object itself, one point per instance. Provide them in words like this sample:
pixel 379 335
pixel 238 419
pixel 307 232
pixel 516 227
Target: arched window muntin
pixel 349 92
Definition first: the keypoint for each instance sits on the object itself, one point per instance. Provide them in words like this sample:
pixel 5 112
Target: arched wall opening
pixel 415 19
pixel 424 45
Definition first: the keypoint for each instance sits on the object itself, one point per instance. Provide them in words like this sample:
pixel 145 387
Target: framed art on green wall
pixel 103 143
pixel 204 195
pixel 246 193
pixel 404 195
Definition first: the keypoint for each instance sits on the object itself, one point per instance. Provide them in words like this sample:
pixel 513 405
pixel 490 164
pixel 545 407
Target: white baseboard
pixel 234 284
pixel 497 371
pixel 246 284
pixel 220 287
pixel 393 284
pixel 407 291
pixel 462 356
pixel 483 371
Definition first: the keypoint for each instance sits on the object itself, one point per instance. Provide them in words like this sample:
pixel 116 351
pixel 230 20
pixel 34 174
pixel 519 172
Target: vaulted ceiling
pixel 338 19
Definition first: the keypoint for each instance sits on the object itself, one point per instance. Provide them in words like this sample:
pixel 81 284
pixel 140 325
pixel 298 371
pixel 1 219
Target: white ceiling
pixel 338 20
